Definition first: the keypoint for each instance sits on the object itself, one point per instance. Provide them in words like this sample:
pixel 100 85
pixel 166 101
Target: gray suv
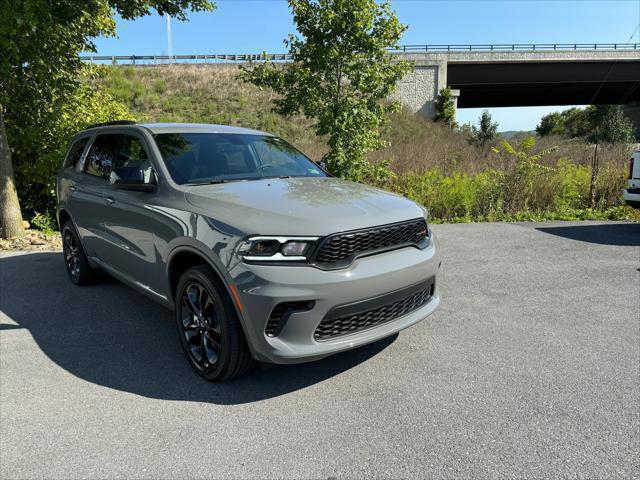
pixel 262 255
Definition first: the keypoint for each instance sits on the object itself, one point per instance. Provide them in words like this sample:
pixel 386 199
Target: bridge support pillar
pixel 632 110
pixel 418 90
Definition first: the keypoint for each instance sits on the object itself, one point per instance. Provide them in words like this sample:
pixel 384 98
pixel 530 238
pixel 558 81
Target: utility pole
pixel 169 37
pixel 594 178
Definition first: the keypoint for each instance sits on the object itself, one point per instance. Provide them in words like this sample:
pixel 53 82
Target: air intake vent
pixel 281 313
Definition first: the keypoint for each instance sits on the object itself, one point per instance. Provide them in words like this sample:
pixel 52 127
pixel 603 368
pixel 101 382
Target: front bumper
pixel 262 287
pixel 632 197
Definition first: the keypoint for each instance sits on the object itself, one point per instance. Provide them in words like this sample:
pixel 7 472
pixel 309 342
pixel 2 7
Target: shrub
pixel 44 222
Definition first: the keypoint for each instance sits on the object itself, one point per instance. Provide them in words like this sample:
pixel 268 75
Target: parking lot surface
pixel 531 368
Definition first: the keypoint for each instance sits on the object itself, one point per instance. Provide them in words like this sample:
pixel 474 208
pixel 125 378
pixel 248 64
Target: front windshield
pixel 199 158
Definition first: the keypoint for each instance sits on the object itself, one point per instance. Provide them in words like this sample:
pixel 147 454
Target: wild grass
pixel 438 167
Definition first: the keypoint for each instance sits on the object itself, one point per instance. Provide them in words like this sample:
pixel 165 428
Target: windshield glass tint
pixel 210 157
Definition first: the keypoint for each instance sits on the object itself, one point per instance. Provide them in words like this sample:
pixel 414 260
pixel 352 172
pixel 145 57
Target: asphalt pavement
pixel 530 369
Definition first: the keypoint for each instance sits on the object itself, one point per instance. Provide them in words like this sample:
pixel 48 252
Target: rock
pixel 38 241
pixel 26 225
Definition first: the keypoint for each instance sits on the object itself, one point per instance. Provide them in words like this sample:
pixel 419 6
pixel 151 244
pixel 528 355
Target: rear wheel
pixel 75 260
pixel 208 327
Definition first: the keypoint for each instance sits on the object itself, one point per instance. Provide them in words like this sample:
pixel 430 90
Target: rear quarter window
pixel 75 152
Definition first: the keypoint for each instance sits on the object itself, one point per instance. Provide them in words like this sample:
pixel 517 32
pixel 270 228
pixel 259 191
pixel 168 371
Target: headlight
pixel 276 248
pixel 295 248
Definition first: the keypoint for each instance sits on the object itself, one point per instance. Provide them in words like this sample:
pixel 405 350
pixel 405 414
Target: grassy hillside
pixel 433 165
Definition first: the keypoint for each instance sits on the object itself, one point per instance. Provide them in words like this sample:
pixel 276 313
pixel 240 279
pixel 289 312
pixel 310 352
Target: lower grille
pixel 370 313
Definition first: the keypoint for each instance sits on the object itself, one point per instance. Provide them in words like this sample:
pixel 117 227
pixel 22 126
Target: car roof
pixel 186 128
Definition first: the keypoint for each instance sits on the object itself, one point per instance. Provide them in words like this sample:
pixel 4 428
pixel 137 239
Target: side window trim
pixel 83 159
pixel 72 144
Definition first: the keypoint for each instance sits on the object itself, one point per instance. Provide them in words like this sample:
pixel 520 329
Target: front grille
pixel 339 249
pixel 410 299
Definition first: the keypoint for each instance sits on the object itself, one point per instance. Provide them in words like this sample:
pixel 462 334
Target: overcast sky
pixel 253 26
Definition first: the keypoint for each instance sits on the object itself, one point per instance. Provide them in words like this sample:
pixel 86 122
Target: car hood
pixel 300 206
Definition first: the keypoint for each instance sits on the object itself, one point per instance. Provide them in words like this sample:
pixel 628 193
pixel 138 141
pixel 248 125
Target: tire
pixel 208 327
pixel 75 260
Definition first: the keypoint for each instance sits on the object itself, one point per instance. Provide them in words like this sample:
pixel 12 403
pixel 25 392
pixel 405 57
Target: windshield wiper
pixel 273 176
pixel 208 182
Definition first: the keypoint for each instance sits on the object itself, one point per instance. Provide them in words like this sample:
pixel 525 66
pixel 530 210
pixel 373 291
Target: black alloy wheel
pixel 75 261
pixel 200 325
pixel 208 326
pixel 71 255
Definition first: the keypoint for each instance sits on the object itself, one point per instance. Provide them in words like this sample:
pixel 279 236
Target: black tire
pixel 208 327
pixel 75 260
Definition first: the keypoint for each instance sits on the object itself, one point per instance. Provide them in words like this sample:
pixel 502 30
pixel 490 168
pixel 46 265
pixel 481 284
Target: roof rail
pixel 113 122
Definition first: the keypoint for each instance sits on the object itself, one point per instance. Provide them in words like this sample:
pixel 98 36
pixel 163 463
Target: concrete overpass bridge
pixel 492 75
pixel 523 75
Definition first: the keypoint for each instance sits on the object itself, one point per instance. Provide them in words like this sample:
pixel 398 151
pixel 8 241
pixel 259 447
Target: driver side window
pixel 132 160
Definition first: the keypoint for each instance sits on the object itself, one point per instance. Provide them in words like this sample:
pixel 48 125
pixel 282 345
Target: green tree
pixel 340 76
pixel 596 123
pixel 41 152
pixel 486 131
pixel 609 125
pixel 446 108
pixel 576 122
pixel 551 124
pixel 39 69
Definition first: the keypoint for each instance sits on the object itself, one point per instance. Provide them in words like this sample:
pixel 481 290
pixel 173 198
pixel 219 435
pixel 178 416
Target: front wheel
pixel 75 260
pixel 208 327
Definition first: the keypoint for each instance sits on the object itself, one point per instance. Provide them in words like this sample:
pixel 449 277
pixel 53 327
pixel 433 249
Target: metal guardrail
pixel 133 59
pixel 515 47
pixel 286 57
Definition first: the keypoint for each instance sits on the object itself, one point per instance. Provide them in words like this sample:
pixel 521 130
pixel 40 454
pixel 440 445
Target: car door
pixel 87 197
pixel 127 219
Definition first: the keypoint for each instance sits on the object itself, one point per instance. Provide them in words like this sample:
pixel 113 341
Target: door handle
pixel 109 200
pixel 73 188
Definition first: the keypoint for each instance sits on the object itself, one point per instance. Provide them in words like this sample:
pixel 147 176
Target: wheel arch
pixel 63 217
pixel 185 257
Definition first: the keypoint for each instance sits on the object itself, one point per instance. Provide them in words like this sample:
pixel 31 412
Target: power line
pixel 614 63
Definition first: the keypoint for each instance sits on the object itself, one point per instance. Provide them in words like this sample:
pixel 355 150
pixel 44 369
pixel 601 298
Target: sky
pixel 254 26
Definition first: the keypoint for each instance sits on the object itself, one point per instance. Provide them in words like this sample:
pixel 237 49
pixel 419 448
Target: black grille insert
pixel 340 249
pixel 281 313
pixel 355 317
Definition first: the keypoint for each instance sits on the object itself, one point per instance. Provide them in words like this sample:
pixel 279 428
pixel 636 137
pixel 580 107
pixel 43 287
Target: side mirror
pixel 132 178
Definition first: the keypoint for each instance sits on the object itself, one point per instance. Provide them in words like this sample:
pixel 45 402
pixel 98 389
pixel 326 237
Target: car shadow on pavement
pixel 111 335
pixel 621 234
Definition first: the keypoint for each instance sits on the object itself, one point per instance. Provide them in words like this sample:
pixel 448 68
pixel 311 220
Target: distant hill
pixel 516 133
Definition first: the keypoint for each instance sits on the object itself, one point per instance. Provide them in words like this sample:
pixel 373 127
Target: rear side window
pixel 102 155
pixel 75 153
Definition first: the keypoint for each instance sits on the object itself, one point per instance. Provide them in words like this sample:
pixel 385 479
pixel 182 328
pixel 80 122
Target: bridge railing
pixel 287 57
pixel 514 47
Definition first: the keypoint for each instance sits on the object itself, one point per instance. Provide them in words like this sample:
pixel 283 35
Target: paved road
pixel 530 369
